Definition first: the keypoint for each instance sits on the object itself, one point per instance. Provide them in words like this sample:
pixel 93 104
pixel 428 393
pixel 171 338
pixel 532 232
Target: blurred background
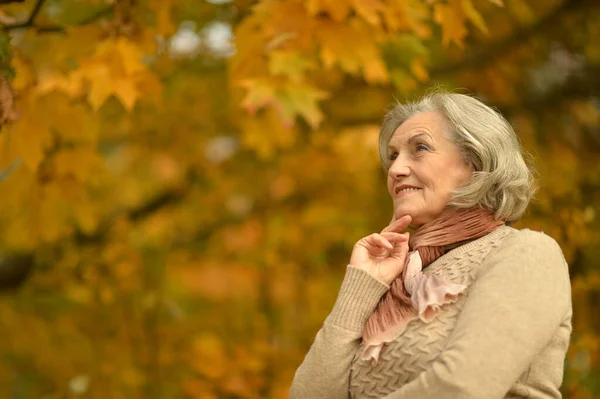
pixel 182 181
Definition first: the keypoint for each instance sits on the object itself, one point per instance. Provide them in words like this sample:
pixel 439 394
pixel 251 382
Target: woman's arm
pixel 515 306
pixel 325 371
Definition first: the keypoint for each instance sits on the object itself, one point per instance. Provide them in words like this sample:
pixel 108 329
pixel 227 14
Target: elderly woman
pixel 467 307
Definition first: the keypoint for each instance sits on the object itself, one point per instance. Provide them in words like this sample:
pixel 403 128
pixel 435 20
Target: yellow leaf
pixel 100 90
pixel 259 94
pixel 115 69
pixel 123 88
pixel 368 10
pixel 352 46
pixel 375 71
pixel 474 16
pixel 418 69
pixel 296 29
pixel 452 20
pixel 130 55
pixel 408 17
pixel 53 81
pixel 127 92
pixel 298 99
pixel 31 140
pixel 289 63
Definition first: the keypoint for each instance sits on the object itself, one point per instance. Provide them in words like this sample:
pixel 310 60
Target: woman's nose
pixel 399 168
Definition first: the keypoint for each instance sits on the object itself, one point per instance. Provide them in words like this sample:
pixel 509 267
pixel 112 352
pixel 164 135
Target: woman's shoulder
pixel 528 240
pixel 526 251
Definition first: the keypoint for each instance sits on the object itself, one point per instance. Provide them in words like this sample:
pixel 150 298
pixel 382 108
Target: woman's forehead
pixel 427 123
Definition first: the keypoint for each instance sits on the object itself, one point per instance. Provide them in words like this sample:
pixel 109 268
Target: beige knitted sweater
pixel 506 338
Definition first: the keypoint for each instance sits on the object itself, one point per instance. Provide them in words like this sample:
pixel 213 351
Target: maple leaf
pixel 114 69
pixel 300 99
pixel 288 63
pixel 408 16
pixel 368 10
pixel 259 94
pixel 362 55
pixel 452 20
pixel 296 30
pixel 72 85
pixel 417 67
pixel 474 16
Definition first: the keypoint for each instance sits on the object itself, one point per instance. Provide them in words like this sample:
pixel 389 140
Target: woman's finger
pixel 378 240
pixel 400 250
pixel 394 237
pixel 399 225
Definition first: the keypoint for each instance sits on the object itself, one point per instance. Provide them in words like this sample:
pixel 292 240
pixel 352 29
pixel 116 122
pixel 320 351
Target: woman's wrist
pixel 357 299
pixel 374 272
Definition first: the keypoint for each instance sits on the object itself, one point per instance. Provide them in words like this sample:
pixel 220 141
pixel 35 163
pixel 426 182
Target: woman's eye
pixel 422 147
pixel 393 156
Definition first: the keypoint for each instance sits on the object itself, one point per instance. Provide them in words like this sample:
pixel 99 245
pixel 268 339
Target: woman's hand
pixel 383 255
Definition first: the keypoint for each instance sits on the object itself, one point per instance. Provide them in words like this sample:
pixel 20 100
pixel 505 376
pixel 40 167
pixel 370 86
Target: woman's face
pixel 426 167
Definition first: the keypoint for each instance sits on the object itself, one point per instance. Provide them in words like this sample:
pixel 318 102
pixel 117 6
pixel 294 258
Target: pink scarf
pixel 414 294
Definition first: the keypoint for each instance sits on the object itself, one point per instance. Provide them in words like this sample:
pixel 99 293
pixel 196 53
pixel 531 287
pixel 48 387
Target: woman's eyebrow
pixel 417 135
pixel 393 143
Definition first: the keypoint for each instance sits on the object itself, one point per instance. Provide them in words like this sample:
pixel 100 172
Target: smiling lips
pixel 404 190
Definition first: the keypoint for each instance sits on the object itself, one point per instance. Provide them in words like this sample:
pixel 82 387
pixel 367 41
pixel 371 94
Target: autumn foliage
pixel 182 181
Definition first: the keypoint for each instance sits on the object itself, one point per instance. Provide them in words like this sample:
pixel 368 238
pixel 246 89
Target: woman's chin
pixel 416 219
pixel 402 211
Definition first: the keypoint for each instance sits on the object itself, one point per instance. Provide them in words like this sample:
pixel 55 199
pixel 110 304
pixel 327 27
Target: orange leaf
pixel 452 20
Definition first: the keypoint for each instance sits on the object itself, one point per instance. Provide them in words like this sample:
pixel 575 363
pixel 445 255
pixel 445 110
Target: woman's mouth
pixel 403 192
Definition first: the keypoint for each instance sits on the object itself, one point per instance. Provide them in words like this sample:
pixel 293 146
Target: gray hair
pixel 501 181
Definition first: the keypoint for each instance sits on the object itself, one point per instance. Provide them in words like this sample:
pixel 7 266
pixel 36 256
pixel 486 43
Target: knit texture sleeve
pixel 325 371
pixel 517 302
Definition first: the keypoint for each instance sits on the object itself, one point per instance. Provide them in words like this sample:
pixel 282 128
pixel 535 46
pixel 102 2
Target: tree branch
pixel 29 21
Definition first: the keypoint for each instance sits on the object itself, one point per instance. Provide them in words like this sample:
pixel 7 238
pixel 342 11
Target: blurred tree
pixel 183 181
